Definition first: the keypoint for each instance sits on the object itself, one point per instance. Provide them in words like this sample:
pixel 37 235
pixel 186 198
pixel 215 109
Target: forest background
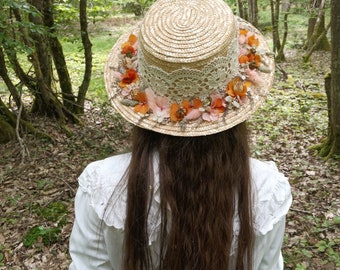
pixel 52 139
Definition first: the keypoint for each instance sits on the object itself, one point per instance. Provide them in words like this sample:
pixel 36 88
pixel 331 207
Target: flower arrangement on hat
pixel 160 108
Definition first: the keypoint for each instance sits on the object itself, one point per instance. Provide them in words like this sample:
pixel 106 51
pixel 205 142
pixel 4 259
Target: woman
pixel 187 196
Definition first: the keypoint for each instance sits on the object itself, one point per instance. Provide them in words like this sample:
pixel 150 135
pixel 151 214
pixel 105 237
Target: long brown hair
pixel 203 180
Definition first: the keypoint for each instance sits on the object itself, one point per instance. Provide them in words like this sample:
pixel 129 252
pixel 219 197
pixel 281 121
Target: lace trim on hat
pixel 186 83
pixel 164 107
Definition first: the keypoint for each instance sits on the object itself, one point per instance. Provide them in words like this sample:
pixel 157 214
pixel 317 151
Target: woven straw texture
pixel 174 38
pixel 186 32
pixel 182 42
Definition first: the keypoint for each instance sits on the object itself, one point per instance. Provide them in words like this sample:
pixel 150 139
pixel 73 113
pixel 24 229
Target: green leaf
pixel 322 245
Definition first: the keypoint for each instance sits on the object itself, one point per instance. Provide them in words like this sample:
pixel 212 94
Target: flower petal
pixel 197 103
pixel 243 59
pixel 141 97
pixel 253 76
pixel 193 114
pixel 173 112
pixel 117 75
pixel 242 39
pixel 141 108
pixel 253 41
pixel 132 39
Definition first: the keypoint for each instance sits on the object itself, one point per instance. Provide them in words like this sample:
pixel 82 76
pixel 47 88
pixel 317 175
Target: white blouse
pixel 98 232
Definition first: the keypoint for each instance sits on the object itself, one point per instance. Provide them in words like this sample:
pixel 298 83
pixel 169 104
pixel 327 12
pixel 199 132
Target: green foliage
pixel 328 246
pixel 55 212
pixel 307 248
pixel 65 12
pixel 137 7
pixel 11 34
pixel 300 266
pixel 233 5
pixel 42 183
pixel 68 11
pixel 40 234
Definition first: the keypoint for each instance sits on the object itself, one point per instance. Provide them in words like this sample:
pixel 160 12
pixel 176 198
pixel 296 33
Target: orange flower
pixel 142 107
pixel 243 59
pixel 253 41
pixel 186 105
pixel 243 32
pixel 128 47
pixel 141 97
pixel 218 105
pixel 129 77
pixel 132 39
pixel 177 112
pixel 237 87
pixel 197 103
pixel 255 60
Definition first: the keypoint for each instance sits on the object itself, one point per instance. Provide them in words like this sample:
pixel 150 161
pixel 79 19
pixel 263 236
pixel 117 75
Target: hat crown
pixel 188 48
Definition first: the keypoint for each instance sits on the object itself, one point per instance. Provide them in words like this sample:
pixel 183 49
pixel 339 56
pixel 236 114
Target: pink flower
pixel 217 107
pixel 242 39
pixel 126 91
pixel 160 106
pixel 117 75
pixel 193 114
pixel 253 76
pixel 210 114
pixel 243 51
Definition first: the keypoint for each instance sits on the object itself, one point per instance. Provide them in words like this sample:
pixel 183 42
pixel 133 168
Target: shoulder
pixel 105 172
pixel 272 194
pixel 103 182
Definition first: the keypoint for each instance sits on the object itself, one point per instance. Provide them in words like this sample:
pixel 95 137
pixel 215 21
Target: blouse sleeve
pixel 87 246
pixel 272 202
pixel 267 252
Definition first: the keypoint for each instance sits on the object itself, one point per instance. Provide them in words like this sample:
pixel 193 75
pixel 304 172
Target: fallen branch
pixel 284 73
pixel 300 211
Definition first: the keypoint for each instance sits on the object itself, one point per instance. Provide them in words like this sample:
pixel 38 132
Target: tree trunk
pixel 11 53
pixel 7 124
pixel 310 30
pixel 42 64
pixel 275 11
pixel 59 59
pixel 253 12
pixel 88 56
pixel 330 147
pixel 42 53
pixel 335 80
pixel 4 75
pixel 7 132
pixel 316 28
pixel 242 8
pixel 316 44
pixel 34 31
pixel 280 55
pixel 46 101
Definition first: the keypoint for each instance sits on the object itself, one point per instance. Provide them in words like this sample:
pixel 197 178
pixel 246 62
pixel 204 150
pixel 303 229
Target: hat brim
pixel 230 118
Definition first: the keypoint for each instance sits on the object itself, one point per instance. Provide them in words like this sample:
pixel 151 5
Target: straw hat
pixel 190 68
